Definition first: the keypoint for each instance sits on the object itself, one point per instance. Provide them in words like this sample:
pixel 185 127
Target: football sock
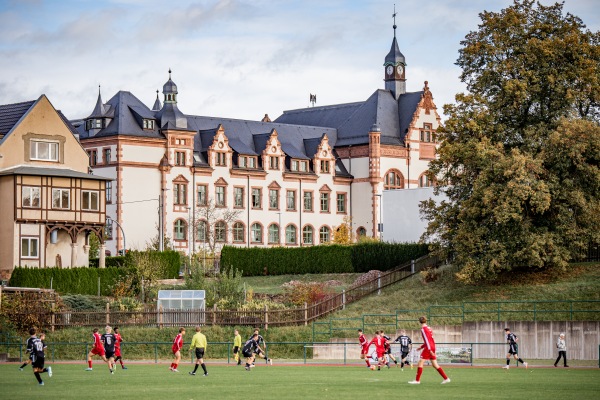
pixel 401 364
pixel 419 372
pixel 37 376
pixel 172 365
pixel 90 363
pixel 25 364
pixel 521 361
pixel 442 373
pixel 203 368
pixel 396 361
pixel 121 361
pixel 195 368
pixel 368 363
pixel 507 361
pixel 175 366
pixel 45 370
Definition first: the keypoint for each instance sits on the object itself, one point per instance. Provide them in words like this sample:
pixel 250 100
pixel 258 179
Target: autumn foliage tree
pixel 520 152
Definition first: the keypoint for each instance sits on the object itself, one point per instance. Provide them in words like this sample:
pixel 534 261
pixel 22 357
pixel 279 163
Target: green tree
pixel 520 152
pixel 94 245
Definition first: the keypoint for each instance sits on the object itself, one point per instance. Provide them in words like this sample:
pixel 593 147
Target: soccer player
pixel 177 346
pixel 405 348
pixel 379 343
pixel 364 347
pixel 561 345
pixel 118 341
pixel 262 353
pixel 35 347
pixel 251 347
pixel 97 349
pixel 388 349
pixel 237 346
pixel 199 345
pixel 428 353
pixel 108 340
pixel 513 348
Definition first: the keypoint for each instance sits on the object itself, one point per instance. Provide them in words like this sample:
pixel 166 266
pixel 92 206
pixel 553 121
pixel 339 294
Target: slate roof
pixel 58 172
pixel 394 56
pixel 10 114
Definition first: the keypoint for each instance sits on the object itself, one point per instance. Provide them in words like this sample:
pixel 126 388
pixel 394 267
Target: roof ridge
pixel 307 109
pixel 18 104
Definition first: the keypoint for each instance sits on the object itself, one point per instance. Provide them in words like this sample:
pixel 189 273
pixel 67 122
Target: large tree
pixel 520 152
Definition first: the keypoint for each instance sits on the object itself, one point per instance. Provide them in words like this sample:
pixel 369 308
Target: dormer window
pixel 95 123
pixel 148 124
pixel 427 134
pixel 298 165
pixel 43 150
pixel 220 159
pixel 324 166
pixel 247 162
pixel 274 162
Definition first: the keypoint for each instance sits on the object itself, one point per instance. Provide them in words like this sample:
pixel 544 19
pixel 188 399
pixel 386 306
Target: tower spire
pixel 394 16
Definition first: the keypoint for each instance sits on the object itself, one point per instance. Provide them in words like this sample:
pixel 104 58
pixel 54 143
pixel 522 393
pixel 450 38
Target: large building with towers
pixel 288 182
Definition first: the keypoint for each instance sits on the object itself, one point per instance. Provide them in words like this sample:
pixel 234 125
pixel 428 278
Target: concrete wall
pixel 537 340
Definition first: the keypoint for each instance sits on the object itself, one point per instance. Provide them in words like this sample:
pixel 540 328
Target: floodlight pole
pixel 109 220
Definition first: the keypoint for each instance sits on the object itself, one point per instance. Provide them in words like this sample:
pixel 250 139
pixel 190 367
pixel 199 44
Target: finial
pixel 169 73
pixel 98 89
pixel 157 93
pixel 394 16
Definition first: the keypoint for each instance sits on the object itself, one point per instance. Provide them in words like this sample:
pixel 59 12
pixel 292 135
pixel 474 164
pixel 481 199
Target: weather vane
pixel 394 16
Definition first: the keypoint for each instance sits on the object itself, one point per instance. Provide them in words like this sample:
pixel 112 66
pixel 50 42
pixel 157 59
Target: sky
pixel 233 58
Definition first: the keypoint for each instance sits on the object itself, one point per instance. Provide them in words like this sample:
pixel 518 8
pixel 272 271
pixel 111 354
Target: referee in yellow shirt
pixel 237 346
pixel 199 343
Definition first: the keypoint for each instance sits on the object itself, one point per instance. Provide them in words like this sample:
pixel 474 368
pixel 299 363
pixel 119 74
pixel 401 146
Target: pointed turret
pixel 394 68
pixel 99 110
pixel 157 106
pixel 100 116
pixel 169 115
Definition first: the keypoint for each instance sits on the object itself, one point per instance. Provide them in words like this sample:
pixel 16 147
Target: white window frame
pixel 61 190
pixel 90 194
pixel 34 150
pixel 27 192
pixel 36 249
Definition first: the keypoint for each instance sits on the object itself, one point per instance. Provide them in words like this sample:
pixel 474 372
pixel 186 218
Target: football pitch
pixel 155 381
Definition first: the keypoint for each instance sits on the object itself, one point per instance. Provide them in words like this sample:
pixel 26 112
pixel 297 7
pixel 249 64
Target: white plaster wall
pixel 142 153
pixel 62 247
pixel 401 218
pixel 362 207
pixel 358 167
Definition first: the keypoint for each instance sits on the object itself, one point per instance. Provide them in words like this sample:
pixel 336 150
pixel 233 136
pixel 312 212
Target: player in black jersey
pixel 250 348
pixel 35 347
pixel 405 348
pixel 513 348
pixel 109 339
pixel 388 349
pixel 261 352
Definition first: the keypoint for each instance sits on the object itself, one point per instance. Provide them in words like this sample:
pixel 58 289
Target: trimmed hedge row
pixel 256 261
pixel 171 257
pixel 385 256
pixel 81 280
pixel 110 261
pixel 320 259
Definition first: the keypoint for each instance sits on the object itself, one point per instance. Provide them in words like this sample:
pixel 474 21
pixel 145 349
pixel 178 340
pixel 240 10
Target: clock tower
pixel 394 69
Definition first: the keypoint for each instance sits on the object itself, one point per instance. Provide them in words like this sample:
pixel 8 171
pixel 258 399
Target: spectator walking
pixel 561 345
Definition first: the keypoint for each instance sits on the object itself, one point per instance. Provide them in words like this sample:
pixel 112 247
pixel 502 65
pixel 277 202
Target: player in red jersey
pixel 379 342
pixel 97 349
pixel 177 345
pixel 428 353
pixel 364 347
pixel 118 340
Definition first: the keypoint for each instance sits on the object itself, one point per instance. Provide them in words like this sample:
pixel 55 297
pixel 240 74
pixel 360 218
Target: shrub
pixel 298 293
pixel 385 256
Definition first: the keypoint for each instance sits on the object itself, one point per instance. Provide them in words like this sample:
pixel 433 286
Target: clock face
pixel 400 69
pixel 390 70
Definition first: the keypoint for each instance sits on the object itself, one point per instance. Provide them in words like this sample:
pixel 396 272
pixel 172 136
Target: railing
pixel 558 310
pixel 150 316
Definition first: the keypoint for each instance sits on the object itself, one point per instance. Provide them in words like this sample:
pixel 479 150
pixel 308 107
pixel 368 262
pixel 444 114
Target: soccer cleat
pixel 525 364
pixel 205 374
pixel 41 383
pixel 88 369
pixel 414 382
pixel 555 366
pixel 447 380
pixel 112 372
pixel 21 369
pixel 50 372
pixel 506 367
pixel 566 366
pixel 192 373
pixel 170 368
pixel 247 368
pixel 270 361
pixel 174 370
pixel 124 368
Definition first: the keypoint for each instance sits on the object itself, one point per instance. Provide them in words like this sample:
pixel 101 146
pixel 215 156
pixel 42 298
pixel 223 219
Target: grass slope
pixel 292 382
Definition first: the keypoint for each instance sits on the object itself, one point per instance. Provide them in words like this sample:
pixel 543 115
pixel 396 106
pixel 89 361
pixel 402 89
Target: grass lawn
pixel 272 284
pixel 146 382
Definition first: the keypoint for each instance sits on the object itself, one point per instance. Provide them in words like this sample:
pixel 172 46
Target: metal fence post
pixel 343 299
pixel 155 353
pixel 471 354
pixel 344 353
pixel 305 352
pixel 306 317
pixel 412 266
pixel 266 317
pixel 107 313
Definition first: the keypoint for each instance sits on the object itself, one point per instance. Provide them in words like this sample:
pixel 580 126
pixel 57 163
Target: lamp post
pixel 279 230
pixel 110 220
pixel 161 233
pixel 380 224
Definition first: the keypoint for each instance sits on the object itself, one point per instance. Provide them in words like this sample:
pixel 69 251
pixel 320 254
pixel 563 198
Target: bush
pixel 111 261
pixel 384 256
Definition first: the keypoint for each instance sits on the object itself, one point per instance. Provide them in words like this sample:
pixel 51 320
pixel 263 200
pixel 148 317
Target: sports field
pixel 150 381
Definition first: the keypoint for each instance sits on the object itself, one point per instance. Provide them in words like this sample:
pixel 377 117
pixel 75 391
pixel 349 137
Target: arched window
pixel 220 231
pixel 180 230
pixel 256 231
pixel 361 231
pixel 307 235
pixel 202 231
pixel 425 181
pixel 273 233
pixel 290 234
pixel 393 180
pixel 238 232
pixel 324 234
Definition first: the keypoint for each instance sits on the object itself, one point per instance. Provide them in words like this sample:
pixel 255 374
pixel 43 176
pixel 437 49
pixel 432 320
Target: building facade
pixel 50 203
pixel 207 181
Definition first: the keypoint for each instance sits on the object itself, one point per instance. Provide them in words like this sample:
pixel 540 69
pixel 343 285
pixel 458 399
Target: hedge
pixel 284 260
pixel 81 280
pixel 320 259
pixel 110 261
pixel 171 257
